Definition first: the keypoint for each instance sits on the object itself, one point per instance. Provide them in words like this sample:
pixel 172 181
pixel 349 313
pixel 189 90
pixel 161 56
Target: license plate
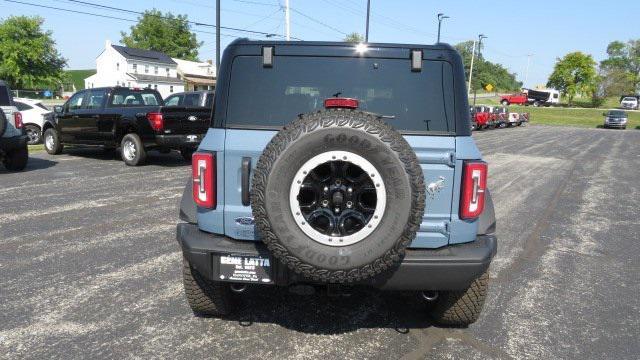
pixel 253 269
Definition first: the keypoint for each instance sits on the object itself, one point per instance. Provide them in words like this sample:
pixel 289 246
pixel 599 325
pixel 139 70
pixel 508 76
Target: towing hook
pixel 429 295
pixel 238 288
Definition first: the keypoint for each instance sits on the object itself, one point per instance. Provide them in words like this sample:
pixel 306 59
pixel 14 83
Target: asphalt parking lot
pixel 89 265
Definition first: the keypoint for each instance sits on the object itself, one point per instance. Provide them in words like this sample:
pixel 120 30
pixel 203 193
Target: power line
pixel 317 21
pixel 86 3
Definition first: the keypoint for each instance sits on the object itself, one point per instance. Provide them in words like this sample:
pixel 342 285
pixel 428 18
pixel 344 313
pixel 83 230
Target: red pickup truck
pixel 518 99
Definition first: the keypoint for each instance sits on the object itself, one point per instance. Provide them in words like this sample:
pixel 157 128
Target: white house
pixel 196 75
pixel 125 66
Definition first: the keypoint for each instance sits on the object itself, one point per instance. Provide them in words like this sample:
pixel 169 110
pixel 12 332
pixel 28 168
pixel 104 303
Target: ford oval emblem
pixel 245 220
pixel 192 118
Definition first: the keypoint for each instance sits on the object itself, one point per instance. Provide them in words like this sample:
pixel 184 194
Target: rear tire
pixel 16 160
pixel 34 134
pixel 205 297
pixel 132 150
pixel 504 103
pixel 187 154
pixel 461 308
pixel 52 142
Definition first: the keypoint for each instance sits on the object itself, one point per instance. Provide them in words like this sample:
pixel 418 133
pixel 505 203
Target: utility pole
pixel 287 20
pixel 441 17
pixel 475 91
pixel 526 72
pixel 366 33
pixel 473 55
pixel 217 37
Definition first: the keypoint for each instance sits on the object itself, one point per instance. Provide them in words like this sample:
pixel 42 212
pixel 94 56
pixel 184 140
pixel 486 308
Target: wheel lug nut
pixel 325 203
pixel 349 204
pixel 350 190
pixel 326 188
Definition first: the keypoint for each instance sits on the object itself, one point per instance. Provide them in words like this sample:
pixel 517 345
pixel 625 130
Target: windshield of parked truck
pixel 617 113
pixel 272 97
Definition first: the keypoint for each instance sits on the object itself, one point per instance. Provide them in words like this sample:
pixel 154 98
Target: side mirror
pixel 57 109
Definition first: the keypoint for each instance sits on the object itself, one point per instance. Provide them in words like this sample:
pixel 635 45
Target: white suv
pixel 629 102
pixel 34 113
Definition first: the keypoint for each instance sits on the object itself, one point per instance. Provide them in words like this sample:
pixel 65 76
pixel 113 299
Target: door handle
pixel 96 116
pixel 246 172
pixel 74 117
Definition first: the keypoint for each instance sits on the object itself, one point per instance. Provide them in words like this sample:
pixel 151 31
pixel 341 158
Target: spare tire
pixel 3 123
pixel 338 195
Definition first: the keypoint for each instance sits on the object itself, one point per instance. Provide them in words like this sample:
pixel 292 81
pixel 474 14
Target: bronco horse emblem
pixel 435 187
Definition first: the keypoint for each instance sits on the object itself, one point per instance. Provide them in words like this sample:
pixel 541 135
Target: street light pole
pixel 366 33
pixel 526 72
pixel 441 17
pixel 473 55
pixel 217 37
pixel 288 23
pixel 475 91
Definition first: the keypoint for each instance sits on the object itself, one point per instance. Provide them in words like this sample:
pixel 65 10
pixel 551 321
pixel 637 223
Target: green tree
pixel 28 55
pixel 486 72
pixel 354 37
pixel 166 32
pixel 621 69
pixel 574 74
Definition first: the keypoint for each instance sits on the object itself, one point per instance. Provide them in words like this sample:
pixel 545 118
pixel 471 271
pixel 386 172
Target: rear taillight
pixel 156 121
pixel 18 119
pixel 203 170
pixel 474 185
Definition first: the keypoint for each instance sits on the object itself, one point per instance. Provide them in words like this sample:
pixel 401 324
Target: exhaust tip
pixel 430 295
pixel 238 288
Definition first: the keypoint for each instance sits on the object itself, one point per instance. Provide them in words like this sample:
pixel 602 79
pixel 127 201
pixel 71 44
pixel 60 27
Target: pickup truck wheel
pixel 3 123
pixel 461 308
pixel 132 150
pixel 16 160
pixel 504 102
pixel 52 142
pixel 205 297
pixel 33 134
pixel 338 195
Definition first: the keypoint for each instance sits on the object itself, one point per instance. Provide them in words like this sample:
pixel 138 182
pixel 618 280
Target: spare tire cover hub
pixel 337 198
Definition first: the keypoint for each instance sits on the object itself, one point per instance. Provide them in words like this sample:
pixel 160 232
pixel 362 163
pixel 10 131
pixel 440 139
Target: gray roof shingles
pixel 144 55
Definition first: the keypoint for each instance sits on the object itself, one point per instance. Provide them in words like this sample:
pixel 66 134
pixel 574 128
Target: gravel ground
pixel 89 265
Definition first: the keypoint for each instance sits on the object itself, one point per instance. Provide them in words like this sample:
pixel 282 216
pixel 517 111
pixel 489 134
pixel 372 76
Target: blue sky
pixel 547 30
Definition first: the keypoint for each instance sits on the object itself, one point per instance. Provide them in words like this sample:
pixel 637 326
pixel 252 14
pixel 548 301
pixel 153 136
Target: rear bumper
pixel 179 141
pixel 453 267
pixel 12 143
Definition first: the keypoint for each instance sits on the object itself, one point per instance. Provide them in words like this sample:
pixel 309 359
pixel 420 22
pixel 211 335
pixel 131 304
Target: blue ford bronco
pixel 336 165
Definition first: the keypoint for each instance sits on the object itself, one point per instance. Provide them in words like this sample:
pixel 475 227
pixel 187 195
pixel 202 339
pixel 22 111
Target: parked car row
pixel 495 117
pixel 135 120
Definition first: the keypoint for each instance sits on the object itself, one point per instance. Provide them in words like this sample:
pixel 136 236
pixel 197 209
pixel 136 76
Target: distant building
pixel 196 75
pixel 130 67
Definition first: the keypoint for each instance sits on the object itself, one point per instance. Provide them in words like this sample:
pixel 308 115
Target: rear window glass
pixel 412 101
pixel 130 97
pixel 5 100
pixel 191 100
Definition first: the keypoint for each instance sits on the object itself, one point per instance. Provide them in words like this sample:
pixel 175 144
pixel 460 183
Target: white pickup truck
pixel 14 153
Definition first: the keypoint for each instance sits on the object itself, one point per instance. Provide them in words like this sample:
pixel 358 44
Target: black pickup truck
pixel 135 120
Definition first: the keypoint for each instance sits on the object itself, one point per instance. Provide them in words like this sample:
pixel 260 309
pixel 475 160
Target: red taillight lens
pixel 203 170
pixel 474 185
pixel 348 103
pixel 18 119
pixel 156 121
